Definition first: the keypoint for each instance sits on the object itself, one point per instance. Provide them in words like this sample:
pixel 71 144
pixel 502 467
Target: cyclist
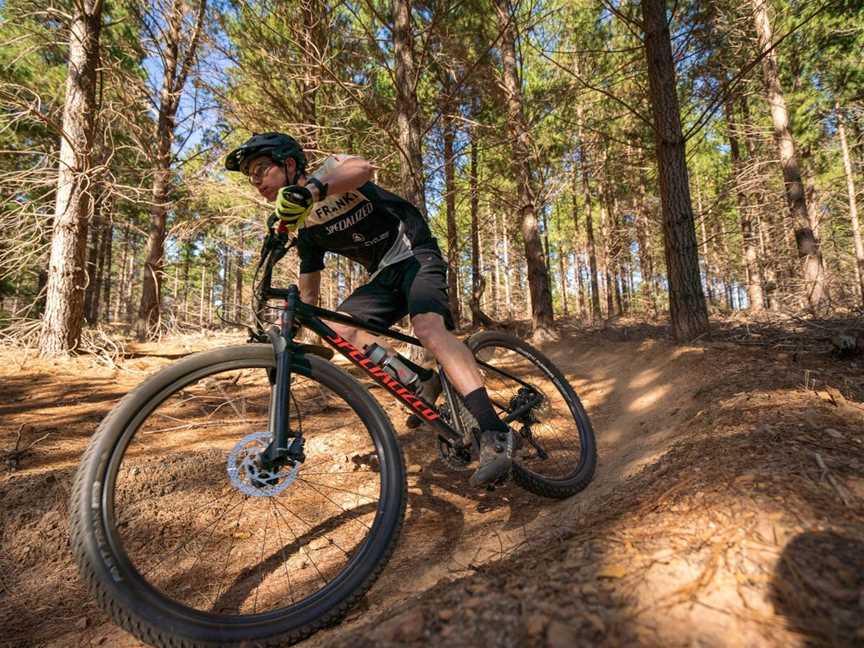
pixel 339 209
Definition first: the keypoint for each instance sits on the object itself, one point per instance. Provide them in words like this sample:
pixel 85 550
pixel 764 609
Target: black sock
pixel 480 406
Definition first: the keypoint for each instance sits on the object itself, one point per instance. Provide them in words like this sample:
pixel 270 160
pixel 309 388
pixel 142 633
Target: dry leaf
pixel 612 571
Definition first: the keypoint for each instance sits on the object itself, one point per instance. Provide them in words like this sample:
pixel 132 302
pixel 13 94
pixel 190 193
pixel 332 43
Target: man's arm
pixel 310 287
pixel 348 173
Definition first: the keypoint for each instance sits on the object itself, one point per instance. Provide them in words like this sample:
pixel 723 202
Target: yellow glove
pixel 293 204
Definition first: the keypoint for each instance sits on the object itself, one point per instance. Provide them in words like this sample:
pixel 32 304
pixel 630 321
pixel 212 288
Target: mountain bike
pixel 251 495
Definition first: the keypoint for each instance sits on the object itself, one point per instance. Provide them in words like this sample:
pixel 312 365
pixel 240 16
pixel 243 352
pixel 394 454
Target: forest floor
pixel 727 509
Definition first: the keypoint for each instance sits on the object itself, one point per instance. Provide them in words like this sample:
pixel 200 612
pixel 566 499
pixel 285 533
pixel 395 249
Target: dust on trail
pixel 645 554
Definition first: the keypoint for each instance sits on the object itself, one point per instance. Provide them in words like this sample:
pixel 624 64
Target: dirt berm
pixel 728 509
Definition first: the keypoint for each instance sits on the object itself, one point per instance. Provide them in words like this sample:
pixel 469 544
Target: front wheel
pixel 555 451
pixel 187 539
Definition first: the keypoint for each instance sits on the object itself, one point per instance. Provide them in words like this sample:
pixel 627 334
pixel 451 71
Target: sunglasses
pixel 257 173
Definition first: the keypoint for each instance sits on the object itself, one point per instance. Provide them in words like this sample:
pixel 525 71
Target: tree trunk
pixel 578 307
pixel 174 74
pixel 688 313
pixel 605 263
pixel 121 289
pixel 853 206
pixel 238 278
pixel 706 257
pixel 105 270
pixel 314 39
pixel 646 263
pixel 562 271
pixel 96 227
pixel 64 306
pixel 450 203
pixel 589 218
pixel 478 284
pixel 815 288
pixel 763 229
pixel 752 269
pixel 407 112
pixel 520 137
pixel 508 290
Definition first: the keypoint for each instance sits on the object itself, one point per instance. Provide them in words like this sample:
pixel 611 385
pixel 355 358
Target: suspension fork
pixel 280 450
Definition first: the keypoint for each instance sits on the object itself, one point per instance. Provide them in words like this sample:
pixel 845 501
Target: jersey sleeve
pixel 311 255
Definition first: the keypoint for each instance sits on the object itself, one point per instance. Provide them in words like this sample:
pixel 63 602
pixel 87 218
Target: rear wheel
pixel 187 540
pixel 555 451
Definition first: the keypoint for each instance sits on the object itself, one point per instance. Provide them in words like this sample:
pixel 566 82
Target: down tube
pixel 407 397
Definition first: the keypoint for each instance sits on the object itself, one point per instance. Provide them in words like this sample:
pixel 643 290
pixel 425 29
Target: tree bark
pixel 450 207
pixel 105 270
pixel 96 227
pixel 407 112
pixel 64 306
pixel 542 317
pixel 176 69
pixel 706 256
pixel 815 288
pixel 589 217
pixel 853 206
pixel 313 37
pixel 562 271
pixel 578 307
pixel 688 313
pixel 646 263
pixel 238 278
pixel 478 283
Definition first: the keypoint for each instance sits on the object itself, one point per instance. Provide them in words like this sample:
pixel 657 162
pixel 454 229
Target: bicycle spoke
pixel 185 544
pixel 329 499
pixel 303 546
pixel 260 561
pixel 282 549
pixel 228 555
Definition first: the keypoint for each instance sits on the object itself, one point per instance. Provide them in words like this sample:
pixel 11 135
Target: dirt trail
pixel 644 397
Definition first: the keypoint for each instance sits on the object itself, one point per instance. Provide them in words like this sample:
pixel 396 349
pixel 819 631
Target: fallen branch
pixel 826 474
pixel 14 456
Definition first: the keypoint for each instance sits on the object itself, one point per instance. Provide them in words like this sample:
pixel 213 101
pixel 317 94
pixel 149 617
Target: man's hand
pixel 293 204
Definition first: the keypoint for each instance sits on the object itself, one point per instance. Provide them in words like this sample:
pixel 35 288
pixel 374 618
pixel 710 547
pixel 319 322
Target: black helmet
pixel 278 146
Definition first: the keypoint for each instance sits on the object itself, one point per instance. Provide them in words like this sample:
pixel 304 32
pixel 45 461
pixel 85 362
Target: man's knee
pixel 430 330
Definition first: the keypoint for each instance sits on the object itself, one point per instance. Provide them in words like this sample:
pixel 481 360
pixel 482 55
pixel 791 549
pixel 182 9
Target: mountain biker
pixel 339 209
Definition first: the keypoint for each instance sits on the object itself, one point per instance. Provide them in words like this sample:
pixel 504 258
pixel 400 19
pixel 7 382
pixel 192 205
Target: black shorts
pixel 410 287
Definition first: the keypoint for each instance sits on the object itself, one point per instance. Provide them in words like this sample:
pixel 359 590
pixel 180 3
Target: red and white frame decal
pixel 382 377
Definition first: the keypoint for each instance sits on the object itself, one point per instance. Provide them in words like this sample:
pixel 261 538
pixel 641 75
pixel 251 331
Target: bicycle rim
pixel 554 438
pixel 191 527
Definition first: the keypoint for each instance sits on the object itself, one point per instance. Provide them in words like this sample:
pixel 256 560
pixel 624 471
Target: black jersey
pixel 369 225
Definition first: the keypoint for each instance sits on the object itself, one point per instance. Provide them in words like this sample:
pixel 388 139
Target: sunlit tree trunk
pixel 177 64
pixel 407 110
pixel 688 313
pixel 578 308
pixel 808 246
pixel 520 139
pixel 853 205
pixel 64 304
pixel 646 263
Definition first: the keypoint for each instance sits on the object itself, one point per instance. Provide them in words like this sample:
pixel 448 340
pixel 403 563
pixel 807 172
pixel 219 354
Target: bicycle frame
pixel 295 313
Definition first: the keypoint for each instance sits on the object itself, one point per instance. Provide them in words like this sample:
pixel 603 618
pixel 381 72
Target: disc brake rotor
pixel 249 477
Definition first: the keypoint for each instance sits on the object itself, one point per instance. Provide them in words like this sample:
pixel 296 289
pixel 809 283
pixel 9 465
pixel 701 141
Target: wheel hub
pixel 247 473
